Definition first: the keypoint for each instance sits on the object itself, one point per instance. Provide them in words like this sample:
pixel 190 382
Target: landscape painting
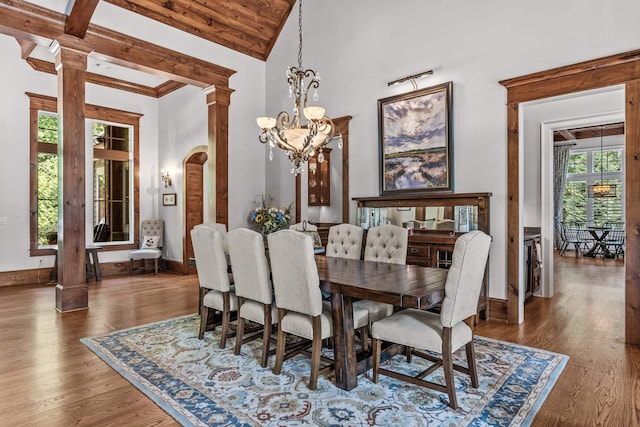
pixel 415 141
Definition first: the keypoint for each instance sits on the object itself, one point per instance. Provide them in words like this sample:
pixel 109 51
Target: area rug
pixel 199 384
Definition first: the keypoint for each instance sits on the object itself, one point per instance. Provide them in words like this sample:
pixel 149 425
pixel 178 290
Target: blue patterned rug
pixel 201 385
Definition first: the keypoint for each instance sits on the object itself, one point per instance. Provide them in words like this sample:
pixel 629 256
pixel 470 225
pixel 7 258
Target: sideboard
pixel 434 222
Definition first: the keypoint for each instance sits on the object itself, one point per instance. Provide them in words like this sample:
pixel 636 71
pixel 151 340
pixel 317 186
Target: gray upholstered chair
pixel 385 243
pixel 222 229
pixel 253 287
pixel 212 274
pixel 151 241
pixel 344 241
pixel 442 333
pixel 301 310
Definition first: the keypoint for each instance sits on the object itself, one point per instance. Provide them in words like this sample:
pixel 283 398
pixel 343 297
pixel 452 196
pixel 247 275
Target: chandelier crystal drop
pixel 286 131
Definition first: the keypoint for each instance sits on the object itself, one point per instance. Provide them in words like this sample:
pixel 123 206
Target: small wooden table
pixel 407 286
pixel 92 263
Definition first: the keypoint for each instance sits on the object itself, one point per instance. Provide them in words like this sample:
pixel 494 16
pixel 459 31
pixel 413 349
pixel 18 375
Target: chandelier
pixel 603 189
pixel 300 141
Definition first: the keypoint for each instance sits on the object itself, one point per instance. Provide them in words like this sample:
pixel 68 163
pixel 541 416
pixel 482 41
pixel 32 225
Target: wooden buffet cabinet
pixel 434 221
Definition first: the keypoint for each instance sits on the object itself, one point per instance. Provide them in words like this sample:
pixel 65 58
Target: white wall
pixel 360 45
pixel 16 78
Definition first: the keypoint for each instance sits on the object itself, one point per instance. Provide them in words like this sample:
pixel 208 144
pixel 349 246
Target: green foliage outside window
pixel 47 180
pixel 575 202
pixel 607 161
pixel 577 163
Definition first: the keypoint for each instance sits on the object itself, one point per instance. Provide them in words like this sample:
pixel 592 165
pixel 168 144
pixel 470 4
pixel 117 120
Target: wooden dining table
pixel 347 280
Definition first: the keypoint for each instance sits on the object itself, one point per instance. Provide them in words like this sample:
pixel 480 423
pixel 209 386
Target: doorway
pixel 194 200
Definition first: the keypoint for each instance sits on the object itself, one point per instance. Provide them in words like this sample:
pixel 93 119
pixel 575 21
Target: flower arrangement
pixel 267 218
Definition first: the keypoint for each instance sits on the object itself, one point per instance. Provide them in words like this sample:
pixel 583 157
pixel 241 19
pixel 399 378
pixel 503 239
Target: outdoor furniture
pixel 575 234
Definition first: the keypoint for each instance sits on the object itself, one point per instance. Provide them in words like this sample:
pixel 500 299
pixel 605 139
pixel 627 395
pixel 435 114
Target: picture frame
pixel 169 199
pixel 416 143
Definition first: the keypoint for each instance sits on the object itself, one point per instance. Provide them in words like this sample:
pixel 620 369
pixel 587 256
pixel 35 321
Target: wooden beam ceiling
pixel 588 132
pixel 33 23
pixel 79 13
pixel 250 27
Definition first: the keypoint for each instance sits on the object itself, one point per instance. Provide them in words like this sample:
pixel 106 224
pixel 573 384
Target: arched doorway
pixel 194 200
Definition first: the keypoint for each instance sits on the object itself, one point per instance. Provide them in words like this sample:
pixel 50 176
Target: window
pixel 115 158
pixel 586 167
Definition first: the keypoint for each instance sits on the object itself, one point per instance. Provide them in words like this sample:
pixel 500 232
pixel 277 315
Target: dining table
pixel 347 280
pixel 599 234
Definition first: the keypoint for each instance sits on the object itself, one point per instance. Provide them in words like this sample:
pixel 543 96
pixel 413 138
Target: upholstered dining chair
pixel 213 276
pixel 253 287
pixel 310 229
pixel 385 243
pixel 344 241
pixel 151 240
pixel 301 310
pixel 442 333
pixel 222 229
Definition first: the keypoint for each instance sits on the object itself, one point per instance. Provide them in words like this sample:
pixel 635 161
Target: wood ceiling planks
pixel 250 27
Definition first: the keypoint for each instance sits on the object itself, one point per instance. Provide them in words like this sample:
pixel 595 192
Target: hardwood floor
pixel 48 377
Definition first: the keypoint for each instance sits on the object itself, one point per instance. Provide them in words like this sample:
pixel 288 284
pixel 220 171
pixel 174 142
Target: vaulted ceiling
pixel 250 27
pixel 247 26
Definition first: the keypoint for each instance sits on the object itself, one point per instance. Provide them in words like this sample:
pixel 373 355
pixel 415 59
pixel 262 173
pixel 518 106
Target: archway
pixel 194 194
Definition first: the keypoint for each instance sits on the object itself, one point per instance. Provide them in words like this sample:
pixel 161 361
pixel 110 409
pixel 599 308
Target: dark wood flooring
pixel 48 378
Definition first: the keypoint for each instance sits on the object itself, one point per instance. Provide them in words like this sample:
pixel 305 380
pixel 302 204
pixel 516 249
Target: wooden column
pixel 632 212
pixel 71 290
pixel 513 207
pixel 218 101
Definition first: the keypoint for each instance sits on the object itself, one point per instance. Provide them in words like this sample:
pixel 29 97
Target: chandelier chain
pixel 300 35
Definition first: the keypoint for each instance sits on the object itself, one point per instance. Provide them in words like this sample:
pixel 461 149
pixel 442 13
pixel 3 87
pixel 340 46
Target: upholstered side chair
pixel 151 241
pixel 301 310
pixel 385 243
pixel 253 287
pixel 344 241
pixel 442 333
pixel 211 265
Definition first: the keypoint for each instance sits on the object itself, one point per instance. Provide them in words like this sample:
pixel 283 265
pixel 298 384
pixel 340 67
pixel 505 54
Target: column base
pixel 72 298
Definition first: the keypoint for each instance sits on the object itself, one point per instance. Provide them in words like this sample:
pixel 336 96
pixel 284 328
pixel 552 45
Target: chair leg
pixel 316 348
pixel 377 346
pixel 226 318
pixel 447 366
pixel 471 361
pixel 282 337
pixel 240 329
pixel 266 335
pixel 130 267
pixel 203 321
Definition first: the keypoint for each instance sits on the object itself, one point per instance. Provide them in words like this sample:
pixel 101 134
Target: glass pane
pixel 111 199
pixel 577 163
pixel 47 195
pixel 110 137
pixel 608 209
pixel 607 161
pixel 574 204
pixel 47 128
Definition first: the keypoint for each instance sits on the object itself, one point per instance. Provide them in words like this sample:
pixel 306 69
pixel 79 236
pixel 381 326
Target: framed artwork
pixel 416 147
pixel 169 199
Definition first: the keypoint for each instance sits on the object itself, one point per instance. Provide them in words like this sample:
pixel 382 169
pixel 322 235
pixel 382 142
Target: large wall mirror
pixel 336 210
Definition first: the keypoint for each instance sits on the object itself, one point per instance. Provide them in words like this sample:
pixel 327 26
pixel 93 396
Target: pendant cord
pixel 300 36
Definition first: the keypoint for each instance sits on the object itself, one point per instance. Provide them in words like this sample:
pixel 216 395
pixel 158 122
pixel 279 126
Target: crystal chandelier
pixel 301 142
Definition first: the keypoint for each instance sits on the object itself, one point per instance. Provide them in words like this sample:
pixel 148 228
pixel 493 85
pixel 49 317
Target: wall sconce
pixel 164 176
pixel 411 78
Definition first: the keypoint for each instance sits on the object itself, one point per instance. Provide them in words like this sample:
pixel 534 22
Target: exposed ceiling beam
pixel 30 22
pixel 26 47
pixel 167 87
pixel 588 132
pixel 79 13
pixel 49 67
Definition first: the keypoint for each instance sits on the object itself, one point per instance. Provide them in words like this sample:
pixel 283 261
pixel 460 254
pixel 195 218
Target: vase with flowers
pixel 267 218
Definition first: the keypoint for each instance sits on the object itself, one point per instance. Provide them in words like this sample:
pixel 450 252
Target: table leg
pixel 344 348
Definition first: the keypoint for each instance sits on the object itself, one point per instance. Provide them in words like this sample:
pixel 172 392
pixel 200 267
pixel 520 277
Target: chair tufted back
pixel 309 229
pixel 465 276
pixel 294 272
pixel 387 243
pixel 249 265
pixel 152 227
pixel 344 241
pixel 210 259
